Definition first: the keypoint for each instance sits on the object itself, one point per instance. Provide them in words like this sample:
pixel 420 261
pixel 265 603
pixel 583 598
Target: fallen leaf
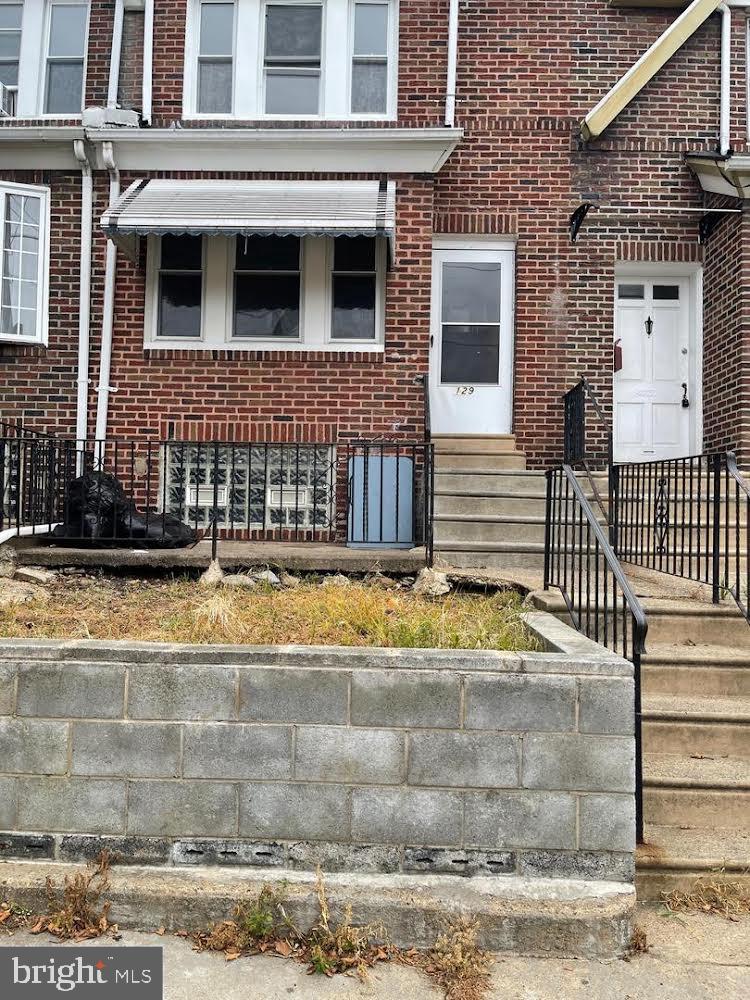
pixel 162 931
pixel 283 948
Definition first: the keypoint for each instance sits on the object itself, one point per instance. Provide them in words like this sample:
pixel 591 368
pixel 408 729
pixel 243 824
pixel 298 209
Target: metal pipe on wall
pixel 114 61
pixel 450 90
pixel 84 294
pixel 103 389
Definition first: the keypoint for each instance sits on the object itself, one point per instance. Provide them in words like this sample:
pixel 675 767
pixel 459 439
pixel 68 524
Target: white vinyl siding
pixel 300 59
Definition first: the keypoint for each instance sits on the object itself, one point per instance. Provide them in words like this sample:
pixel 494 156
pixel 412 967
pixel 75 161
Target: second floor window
pixel 66 49
pixel 11 15
pixel 330 59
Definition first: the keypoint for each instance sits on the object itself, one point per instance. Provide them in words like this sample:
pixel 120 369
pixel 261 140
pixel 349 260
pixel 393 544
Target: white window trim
pixel 248 92
pixel 32 63
pixel 42 334
pixel 217 313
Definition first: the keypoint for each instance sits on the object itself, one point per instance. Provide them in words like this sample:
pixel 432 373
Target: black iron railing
pixel 689 517
pixel 364 493
pixel 582 449
pixel 580 561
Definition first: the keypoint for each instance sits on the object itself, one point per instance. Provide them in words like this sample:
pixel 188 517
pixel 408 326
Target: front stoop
pixel 550 917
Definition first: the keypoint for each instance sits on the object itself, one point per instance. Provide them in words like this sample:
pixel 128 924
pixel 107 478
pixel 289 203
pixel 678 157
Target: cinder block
pixel 235 750
pixel 606 705
pixel 406 816
pixel 7 803
pixel 607 822
pixel 26 846
pixel 128 850
pixel 182 809
pixel 333 857
pixel 126 749
pixel 583 763
pixel 33 746
pixel 78 805
pixel 294 812
pixel 7 679
pixel 442 861
pixel 428 699
pixel 516 702
pixel 353 756
pixel 520 819
pixel 464 760
pixel 229 852
pixel 279 695
pixel 599 865
pixel 190 693
pixel 71 690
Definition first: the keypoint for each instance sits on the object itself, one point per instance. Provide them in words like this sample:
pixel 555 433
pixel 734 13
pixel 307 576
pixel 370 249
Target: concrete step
pixel 495 555
pixel 481 462
pixel 673 858
pixel 696 670
pixel 488 528
pixel 682 725
pixel 474 444
pixel 489 483
pixel 500 504
pixel 697 790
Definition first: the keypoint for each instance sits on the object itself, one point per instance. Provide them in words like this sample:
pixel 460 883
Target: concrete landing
pixel 525 916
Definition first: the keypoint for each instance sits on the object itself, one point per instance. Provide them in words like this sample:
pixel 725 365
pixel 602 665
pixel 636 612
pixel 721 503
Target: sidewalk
pixel 691 958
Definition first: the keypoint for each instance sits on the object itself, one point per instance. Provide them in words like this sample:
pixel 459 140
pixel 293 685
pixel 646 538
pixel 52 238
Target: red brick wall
pixel 130 84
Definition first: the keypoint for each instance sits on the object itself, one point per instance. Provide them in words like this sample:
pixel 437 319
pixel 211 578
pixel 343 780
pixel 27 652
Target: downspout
pixel 103 389
pixel 84 294
pixel 450 91
pixel 148 60
pixel 726 78
pixel 115 57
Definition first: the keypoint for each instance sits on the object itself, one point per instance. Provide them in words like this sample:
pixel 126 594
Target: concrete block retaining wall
pixel 355 759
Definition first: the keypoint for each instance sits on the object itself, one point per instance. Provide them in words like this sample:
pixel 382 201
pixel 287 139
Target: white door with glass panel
pixel 471 352
pixel 653 387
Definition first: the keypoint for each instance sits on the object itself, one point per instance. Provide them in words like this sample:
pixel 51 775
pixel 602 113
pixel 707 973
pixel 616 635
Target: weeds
pixel 77 912
pixel 182 611
pixel 724 898
pixel 13 916
pixel 638 944
pixel 456 962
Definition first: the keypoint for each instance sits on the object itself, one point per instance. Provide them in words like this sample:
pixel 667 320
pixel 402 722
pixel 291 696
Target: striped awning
pixel 252 208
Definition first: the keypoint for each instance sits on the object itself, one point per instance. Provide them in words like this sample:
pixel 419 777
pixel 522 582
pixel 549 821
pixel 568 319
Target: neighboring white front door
pixel 471 352
pixel 655 395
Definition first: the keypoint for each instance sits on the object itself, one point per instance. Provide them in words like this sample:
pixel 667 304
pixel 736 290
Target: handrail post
pixel 716 528
pixel 214 525
pixel 639 825
pixel 548 530
pixel 614 507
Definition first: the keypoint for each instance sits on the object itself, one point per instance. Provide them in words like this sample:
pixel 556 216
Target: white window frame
pixel 217 314
pixel 248 92
pixel 16 3
pixel 32 64
pixel 42 302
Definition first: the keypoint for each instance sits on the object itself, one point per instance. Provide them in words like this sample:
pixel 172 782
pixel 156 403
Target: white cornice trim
pixel 395 150
pixel 39 147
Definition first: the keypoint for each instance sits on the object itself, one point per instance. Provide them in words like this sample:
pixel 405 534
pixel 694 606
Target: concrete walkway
pixel 691 958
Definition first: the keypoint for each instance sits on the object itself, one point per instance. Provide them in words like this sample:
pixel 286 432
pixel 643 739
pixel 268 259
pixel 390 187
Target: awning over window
pixel 252 208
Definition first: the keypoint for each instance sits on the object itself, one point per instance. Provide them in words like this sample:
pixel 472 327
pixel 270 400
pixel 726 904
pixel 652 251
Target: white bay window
pixel 24 240
pixel 266 292
pixel 332 59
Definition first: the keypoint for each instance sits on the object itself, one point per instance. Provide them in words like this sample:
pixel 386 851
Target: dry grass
pixel 722 897
pixel 456 963
pixel 180 610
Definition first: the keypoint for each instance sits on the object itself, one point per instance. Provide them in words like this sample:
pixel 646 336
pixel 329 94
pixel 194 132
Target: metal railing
pixel 578 449
pixel 365 493
pixel 689 517
pixel 580 561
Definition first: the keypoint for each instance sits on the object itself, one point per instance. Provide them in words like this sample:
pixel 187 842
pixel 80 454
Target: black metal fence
pixel 372 494
pixel 689 517
pixel 580 561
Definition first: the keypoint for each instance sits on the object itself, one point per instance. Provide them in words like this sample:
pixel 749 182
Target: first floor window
pixel 267 287
pixel 215 58
pixel 180 286
pixel 66 47
pixel 11 15
pixel 258 487
pixel 354 288
pixel 23 262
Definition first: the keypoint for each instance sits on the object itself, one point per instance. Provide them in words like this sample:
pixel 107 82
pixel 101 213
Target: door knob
pixel 685 400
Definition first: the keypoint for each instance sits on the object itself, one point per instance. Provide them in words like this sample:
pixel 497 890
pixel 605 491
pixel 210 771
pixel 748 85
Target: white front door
pixel 471 352
pixel 654 389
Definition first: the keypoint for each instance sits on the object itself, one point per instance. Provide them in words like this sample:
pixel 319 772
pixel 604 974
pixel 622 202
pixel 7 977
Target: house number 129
pixel 465 390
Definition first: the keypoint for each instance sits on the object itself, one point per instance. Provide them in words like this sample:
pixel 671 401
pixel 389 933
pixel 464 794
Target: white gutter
pixel 84 293
pixel 103 389
pixel 726 77
pixel 114 61
pixel 148 60
pixel 450 92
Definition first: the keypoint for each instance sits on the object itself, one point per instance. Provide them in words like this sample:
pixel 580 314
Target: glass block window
pixel 22 263
pixel 260 487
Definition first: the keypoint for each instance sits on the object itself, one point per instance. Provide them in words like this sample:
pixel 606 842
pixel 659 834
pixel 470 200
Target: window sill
pixel 266 346
pixel 22 341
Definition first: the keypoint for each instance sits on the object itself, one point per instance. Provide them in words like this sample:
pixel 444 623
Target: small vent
pixel 203 496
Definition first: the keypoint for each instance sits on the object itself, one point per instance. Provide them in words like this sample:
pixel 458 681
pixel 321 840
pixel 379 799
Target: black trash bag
pixel 99 511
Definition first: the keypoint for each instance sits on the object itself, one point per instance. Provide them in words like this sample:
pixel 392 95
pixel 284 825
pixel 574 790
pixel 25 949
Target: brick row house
pixel 313 222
